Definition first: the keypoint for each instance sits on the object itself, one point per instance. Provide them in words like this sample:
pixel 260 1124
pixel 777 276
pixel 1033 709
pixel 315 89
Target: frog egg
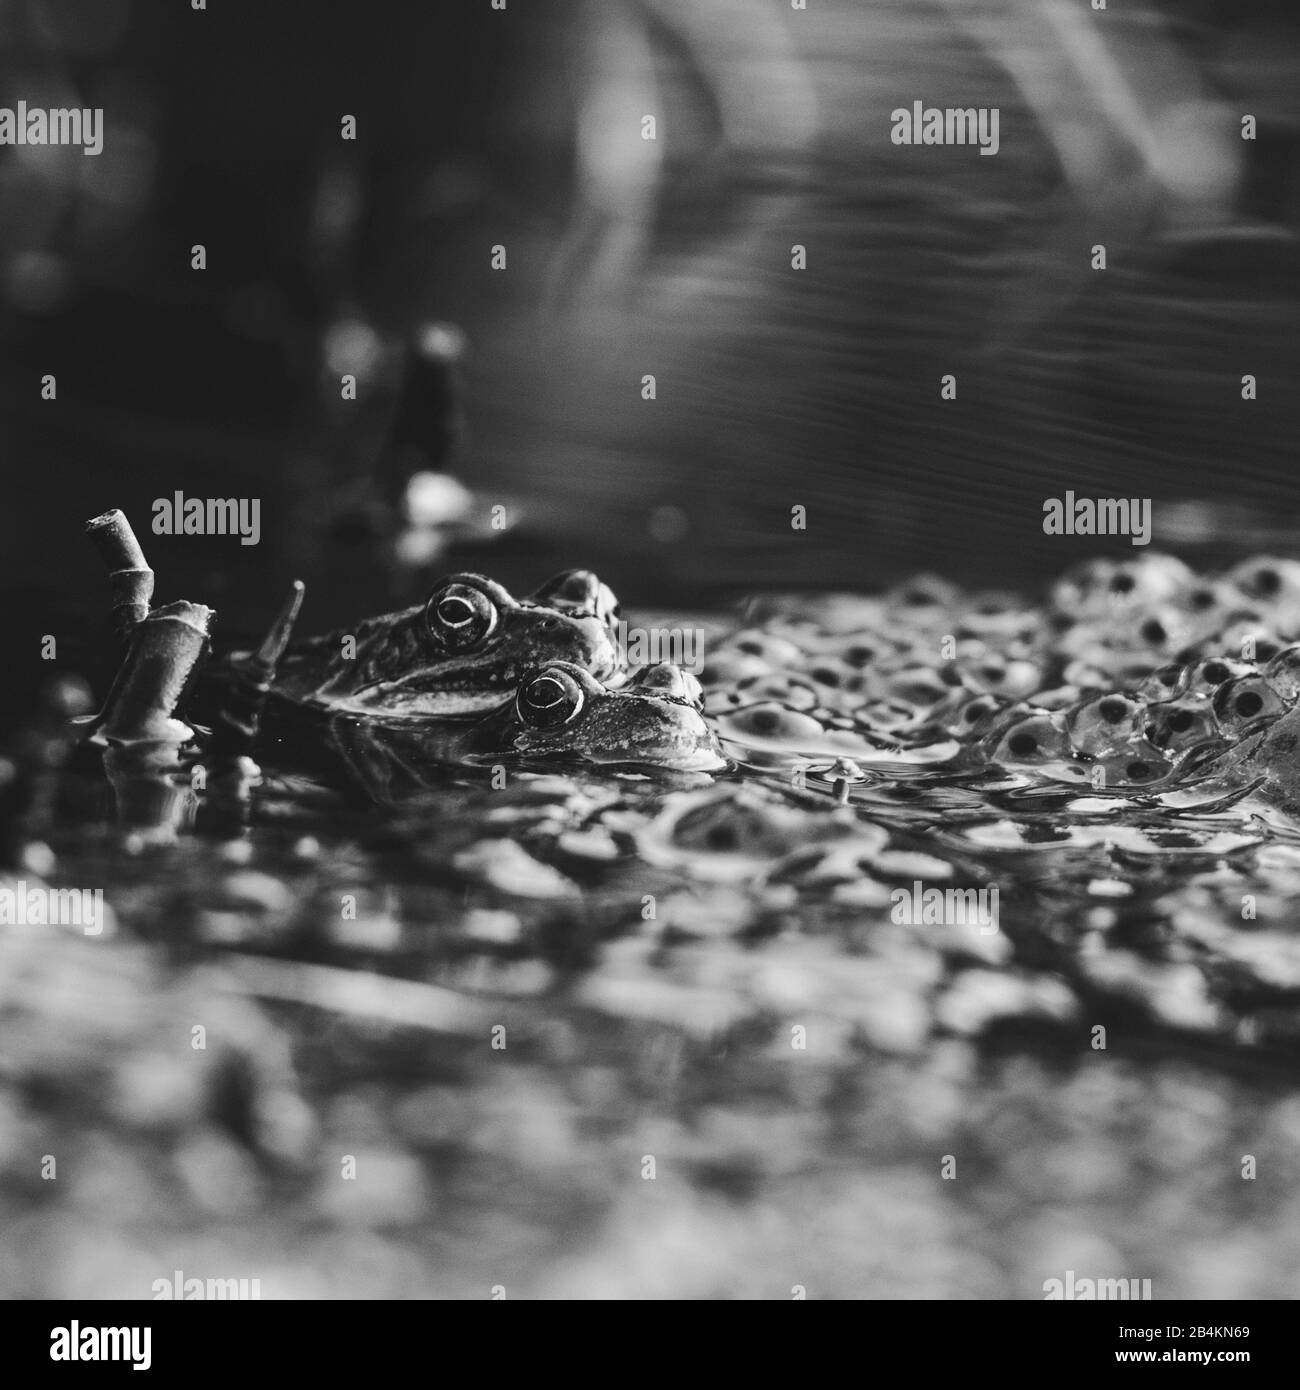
pixel 884 716
pixel 1264 643
pixel 774 652
pixel 1102 726
pixel 769 722
pixel 923 596
pixel 863 651
pixel 1283 672
pixel 1035 738
pixel 1165 683
pixel 1205 677
pixel 1134 766
pixel 996 615
pixel 1177 726
pixel 1208 596
pixel 1248 637
pixel 1268 580
pixel 785 690
pixel 828 674
pixel 1160 631
pixel 921 686
pixel 973 715
pixel 728 825
pixel 1013 678
pixel 1100 586
pixel 730 668
pixel 1242 704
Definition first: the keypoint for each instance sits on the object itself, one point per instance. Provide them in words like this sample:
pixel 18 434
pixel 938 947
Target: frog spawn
pixel 1136 671
pixel 1127 740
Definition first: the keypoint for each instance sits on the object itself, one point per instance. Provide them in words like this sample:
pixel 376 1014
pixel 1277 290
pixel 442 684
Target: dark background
pixel 775 387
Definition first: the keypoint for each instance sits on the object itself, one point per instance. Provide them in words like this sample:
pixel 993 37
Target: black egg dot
pixel 1022 744
pixel 1112 710
pixel 1249 703
pixel 949 675
pixel 750 646
pixel 1153 631
pixel 765 721
pixel 1201 599
pixel 1179 721
pixel 993 675
pixel 1138 772
pixel 1062 622
pixel 1267 582
pixel 1215 671
pixel 722 837
pixel 1121 584
pixel 826 676
pixel 859 656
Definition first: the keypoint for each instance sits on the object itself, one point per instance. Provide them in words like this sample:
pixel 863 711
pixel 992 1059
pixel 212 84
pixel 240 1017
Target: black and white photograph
pixel 651 653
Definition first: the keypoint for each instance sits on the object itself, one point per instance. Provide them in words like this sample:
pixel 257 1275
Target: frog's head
pixel 560 709
pixel 580 594
pixel 467 647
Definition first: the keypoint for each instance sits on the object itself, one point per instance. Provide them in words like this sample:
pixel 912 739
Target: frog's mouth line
pixel 449 705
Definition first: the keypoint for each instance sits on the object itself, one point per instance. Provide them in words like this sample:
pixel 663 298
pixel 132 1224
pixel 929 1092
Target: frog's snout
pixel 669 682
pixel 635 728
pixel 579 593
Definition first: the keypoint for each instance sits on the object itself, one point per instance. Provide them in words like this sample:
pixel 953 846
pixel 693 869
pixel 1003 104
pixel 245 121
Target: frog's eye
pixel 552 697
pixel 460 616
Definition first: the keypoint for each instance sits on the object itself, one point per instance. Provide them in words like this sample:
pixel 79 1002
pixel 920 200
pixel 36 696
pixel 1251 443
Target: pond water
pixel 606 1033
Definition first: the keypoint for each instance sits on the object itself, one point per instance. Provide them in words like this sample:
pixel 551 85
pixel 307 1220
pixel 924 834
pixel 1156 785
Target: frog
pixel 559 713
pixel 461 652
